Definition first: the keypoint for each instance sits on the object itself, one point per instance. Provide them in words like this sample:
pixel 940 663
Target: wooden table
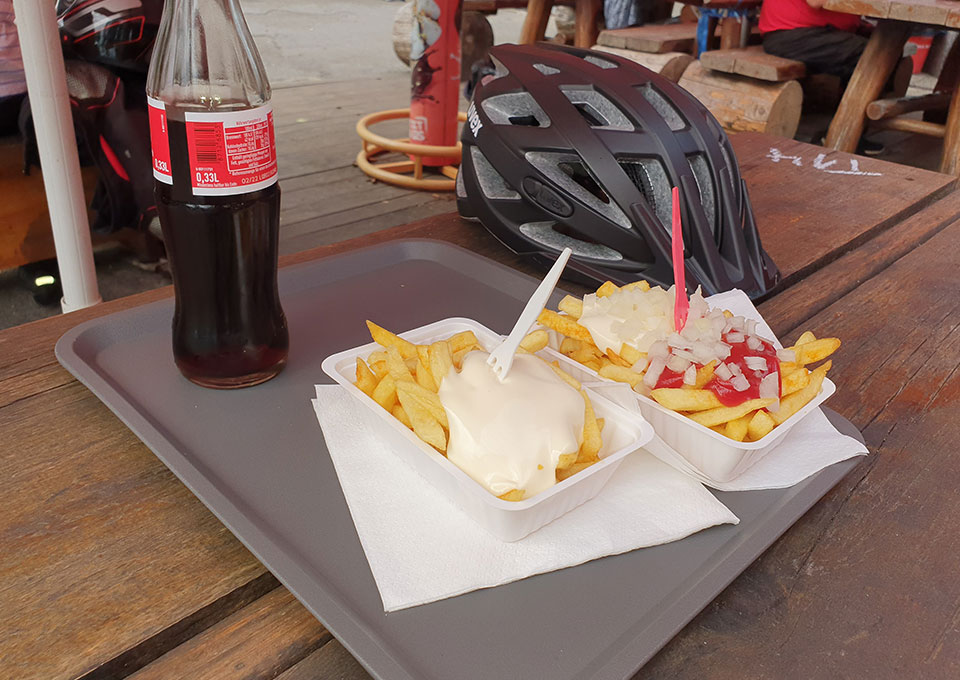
pixel 110 568
pixel 880 58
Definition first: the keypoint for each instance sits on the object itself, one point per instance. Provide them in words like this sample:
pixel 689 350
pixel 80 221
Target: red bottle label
pixel 231 153
pixel 159 140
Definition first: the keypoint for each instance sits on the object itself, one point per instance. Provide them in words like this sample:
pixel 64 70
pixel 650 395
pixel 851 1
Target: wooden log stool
pixel 748 90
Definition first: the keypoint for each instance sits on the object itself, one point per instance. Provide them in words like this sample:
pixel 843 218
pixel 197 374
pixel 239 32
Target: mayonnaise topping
pixel 635 317
pixel 510 435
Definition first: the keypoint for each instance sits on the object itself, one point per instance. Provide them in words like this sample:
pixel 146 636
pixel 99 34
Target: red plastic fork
pixel 681 307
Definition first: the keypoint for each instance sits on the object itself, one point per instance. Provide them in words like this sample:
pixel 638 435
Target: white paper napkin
pixel 421 548
pixel 810 445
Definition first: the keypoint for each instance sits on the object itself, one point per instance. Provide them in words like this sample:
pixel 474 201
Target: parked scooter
pixel 106 47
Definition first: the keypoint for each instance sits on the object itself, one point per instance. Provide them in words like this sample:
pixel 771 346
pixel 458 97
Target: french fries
pixel 405 379
pixel 800 382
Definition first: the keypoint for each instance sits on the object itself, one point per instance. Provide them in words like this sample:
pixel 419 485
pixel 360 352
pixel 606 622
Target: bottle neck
pixel 205 57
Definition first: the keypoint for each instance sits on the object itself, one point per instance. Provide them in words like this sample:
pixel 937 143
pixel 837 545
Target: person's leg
pixel 823 49
pixel 9 113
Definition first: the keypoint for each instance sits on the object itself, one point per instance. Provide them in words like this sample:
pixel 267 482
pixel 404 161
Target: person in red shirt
pixel 825 41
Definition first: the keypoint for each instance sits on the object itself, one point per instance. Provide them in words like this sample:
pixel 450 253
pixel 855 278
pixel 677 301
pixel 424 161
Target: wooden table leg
pixel 535 23
pixel 585 25
pixel 950 161
pixel 730 33
pixel 876 64
pixel 709 24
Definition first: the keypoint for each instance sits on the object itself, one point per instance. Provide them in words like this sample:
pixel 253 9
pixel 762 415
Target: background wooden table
pixel 895 20
pixel 110 568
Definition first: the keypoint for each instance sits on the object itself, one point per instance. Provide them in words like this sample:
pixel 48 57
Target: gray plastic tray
pixel 257 459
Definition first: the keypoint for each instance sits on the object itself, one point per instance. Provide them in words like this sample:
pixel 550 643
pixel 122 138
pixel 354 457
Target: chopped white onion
pixel 735 336
pixel 740 383
pixel 703 352
pixel 677 364
pixel 774 407
pixel 786 355
pixel 751 327
pixel 658 349
pixel 684 354
pixel 735 369
pixel 690 375
pixel 721 350
pixel 677 340
pixel 723 372
pixel 753 342
pixel 755 363
pixel 654 370
pixel 770 387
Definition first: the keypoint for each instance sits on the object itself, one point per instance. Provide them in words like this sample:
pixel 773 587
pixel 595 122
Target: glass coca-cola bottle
pixel 215 166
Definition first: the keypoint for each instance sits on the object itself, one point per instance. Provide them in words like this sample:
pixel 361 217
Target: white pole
pixel 47 86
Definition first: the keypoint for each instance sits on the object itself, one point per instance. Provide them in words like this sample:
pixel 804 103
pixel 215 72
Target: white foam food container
pixel 623 433
pixel 715 457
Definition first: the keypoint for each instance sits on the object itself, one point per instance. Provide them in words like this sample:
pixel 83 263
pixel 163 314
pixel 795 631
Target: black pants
pixel 9 113
pixel 822 49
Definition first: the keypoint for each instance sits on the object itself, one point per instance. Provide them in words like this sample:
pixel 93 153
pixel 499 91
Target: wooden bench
pixel 655 39
pixel 679 37
pixel 753 62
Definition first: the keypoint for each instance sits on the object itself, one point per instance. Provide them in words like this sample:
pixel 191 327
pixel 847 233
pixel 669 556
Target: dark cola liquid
pixel 229 329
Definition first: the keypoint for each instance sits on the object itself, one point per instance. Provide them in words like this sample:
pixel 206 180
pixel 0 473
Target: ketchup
pixel 725 392
pixel 670 378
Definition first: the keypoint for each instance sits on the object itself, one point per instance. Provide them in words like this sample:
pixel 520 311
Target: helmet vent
pixel 591 115
pixel 547 235
pixel 579 174
pixel 663 106
pixel 546 70
pixel 650 178
pixel 461 190
pixel 573 181
pixel 499 70
pixel 597 109
pixel 527 120
pixel 492 183
pixel 515 108
pixel 701 173
pixel 597 61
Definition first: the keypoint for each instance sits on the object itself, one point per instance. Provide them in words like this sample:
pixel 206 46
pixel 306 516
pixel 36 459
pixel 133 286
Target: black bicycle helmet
pixel 571 147
pixel 110 32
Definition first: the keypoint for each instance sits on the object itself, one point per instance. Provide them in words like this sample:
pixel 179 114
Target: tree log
pixel 743 104
pixel 889 108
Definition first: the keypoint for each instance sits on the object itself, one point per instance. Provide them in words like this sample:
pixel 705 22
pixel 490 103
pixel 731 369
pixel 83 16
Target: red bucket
pixel 923 43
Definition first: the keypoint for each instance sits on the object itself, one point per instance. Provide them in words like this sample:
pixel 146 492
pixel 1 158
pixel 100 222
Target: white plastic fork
pixel 501 358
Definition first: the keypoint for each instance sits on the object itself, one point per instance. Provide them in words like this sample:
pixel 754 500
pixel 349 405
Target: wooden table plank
pixel 88 522
pixel 265 638
pixel 819 212
pixel 795 305
pixel 133 562
pixel 330 661
pixel 864 585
